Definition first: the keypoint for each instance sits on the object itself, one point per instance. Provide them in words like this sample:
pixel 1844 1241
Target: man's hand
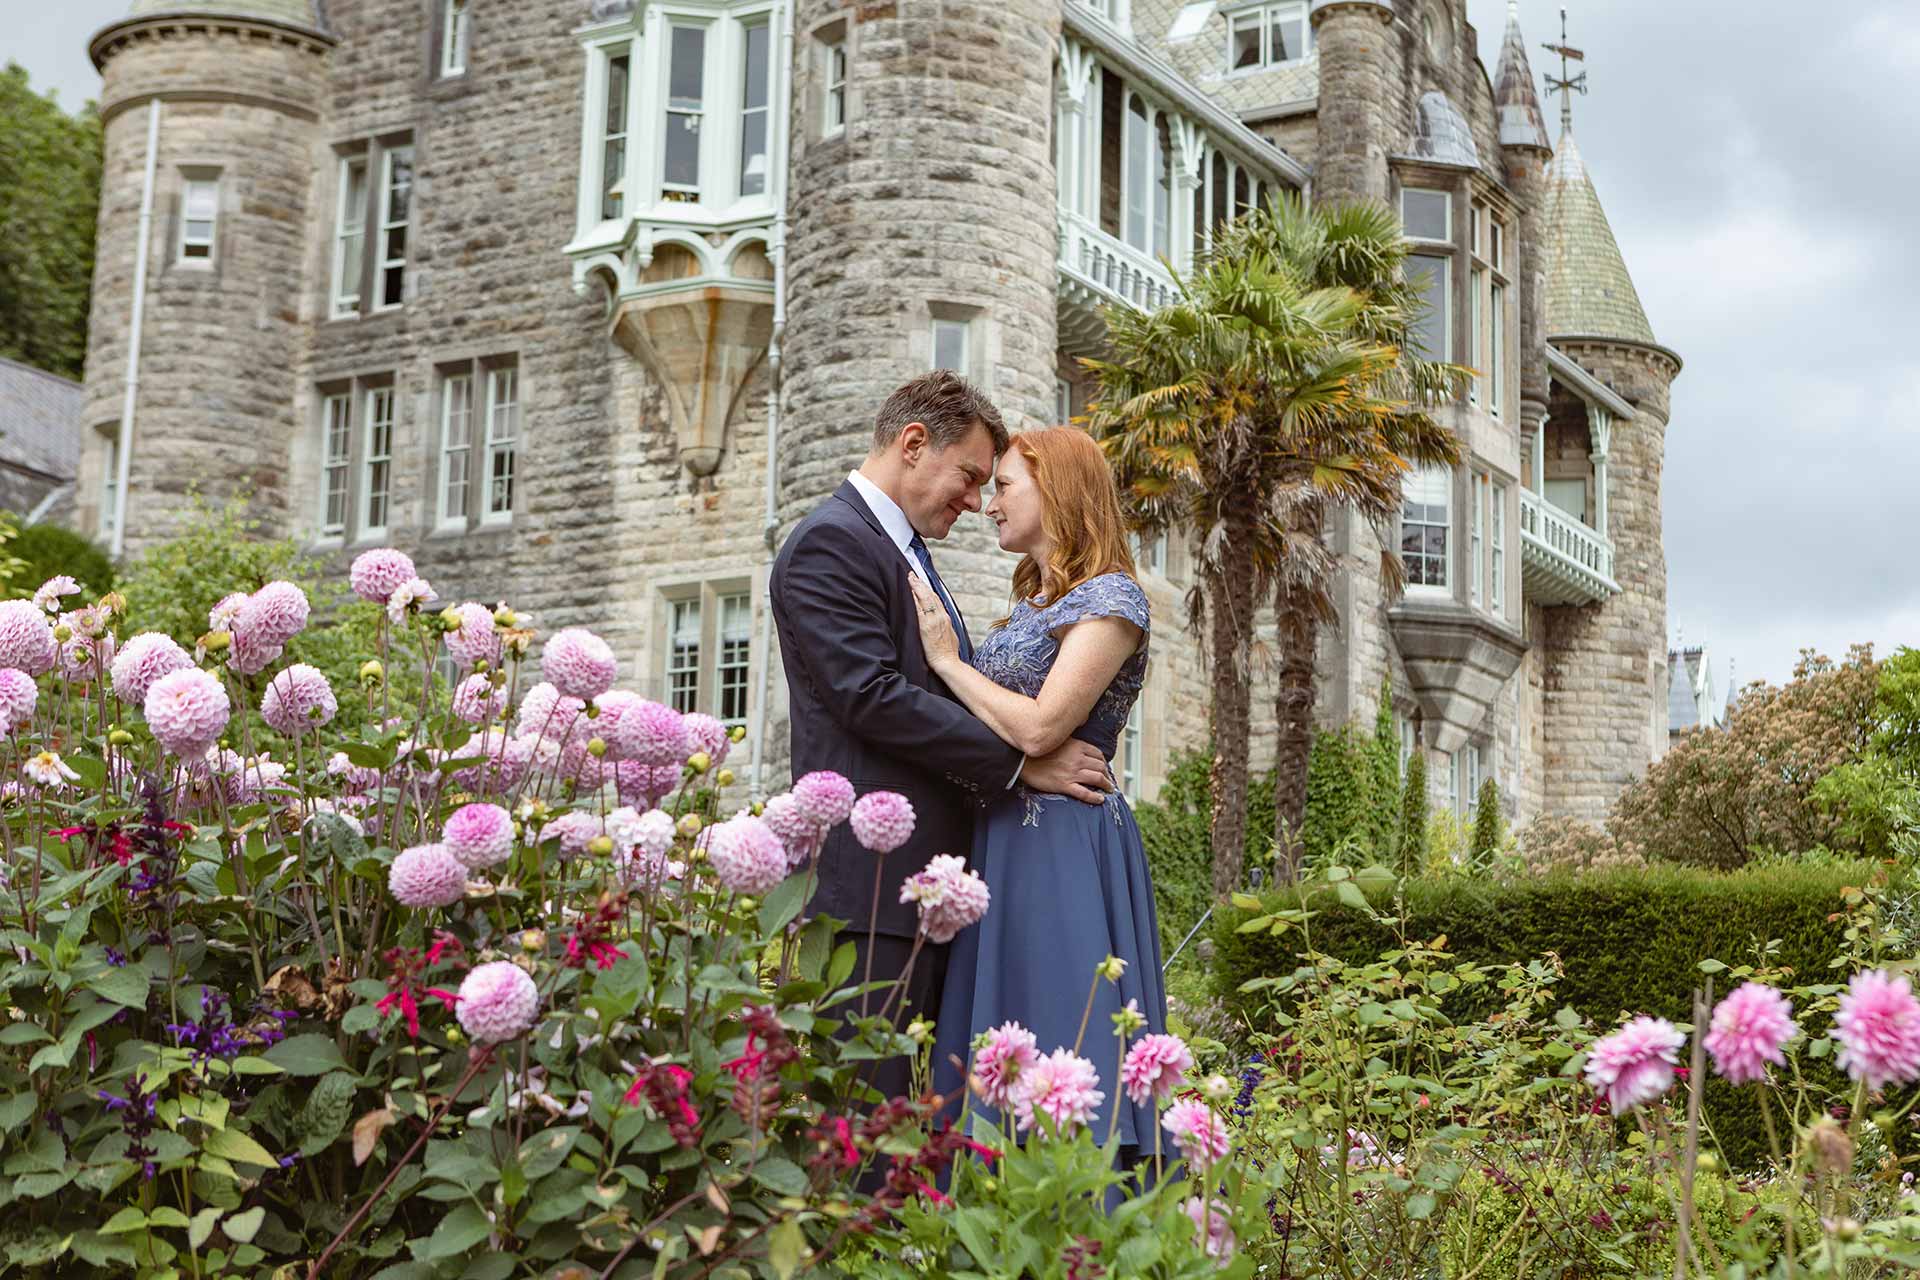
pixel 1073 768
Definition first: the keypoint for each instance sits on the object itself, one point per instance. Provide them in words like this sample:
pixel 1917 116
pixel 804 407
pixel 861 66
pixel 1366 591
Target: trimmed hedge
pixel 1631 938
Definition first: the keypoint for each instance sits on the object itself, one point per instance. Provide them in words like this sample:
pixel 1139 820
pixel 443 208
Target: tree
pixel 1254 392
pixel 1413 817
pixel 49 201
pixel 1385 748
pixel 1489 829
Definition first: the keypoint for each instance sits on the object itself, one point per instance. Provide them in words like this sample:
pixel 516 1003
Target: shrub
pixel 1557 842
pixel 1384 820
pixel 1340 800
pixel 1489 827
pixel 1411 847
pixel 1175 830
pixel 49 549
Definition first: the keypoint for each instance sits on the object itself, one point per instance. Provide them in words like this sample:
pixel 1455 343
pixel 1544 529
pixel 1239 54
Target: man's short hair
pixel 946 404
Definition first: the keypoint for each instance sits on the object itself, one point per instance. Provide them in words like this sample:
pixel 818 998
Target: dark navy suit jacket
pixel 863 702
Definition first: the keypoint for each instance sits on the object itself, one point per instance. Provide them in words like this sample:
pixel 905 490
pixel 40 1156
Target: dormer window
pixel 1268 36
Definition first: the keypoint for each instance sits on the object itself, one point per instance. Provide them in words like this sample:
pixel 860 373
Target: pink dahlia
pixel 580 663
pixel 1634 1065
pixel 187 711
pixel 1154 1067
pixel 144 659
pixel 47 598
pixel 949 896
pixel 18 696
pixel 575 829
pixel 604 720
pixel 427 876
pixel 476 638
pixel 88 650
pixel 26 638
pixel 1214 1224
pixel 479 834
pixel 543 711
pixel 645 784
pixel 498 1001
pixel 650 832
pixel 250 779
pixel 801 838
pixel 746 855
pixel 495 772
pixel 704 733
pixel 825 798
pixel 378 573
pixel 221 616
pixel 273 615
pixel 1000 1055
pixel 476 701
pixel 297 700
pixel 1750 1028
pixel 882 821
pixel 251 653
pixel 1200 1134
pixel 407 598
pixel 650 733
pixel 1878 1028
pixel 1063 1086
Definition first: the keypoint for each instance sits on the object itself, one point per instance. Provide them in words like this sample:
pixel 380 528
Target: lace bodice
pixel 1019 655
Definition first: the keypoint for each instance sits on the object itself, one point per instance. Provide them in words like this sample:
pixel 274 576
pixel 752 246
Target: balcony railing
pixel 1562 560
pixel 1097 268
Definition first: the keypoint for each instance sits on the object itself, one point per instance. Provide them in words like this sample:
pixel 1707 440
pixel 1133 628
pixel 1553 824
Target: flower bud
pixel 699 762
pixel 454 1037
pixel 724 778
pixel 450 617
pixel 690 825
pixel 113 602
pixel 1111 968
pixel 1129 1019
pixel 480 665
pixel 738 735
pixel 63 633
pixel 1216 1088
pixel 593 711
pixel 600 846
pixel 1707 1162
pixel 371 671
pixel 596 747
pixel 757 808
pixel 120 738
pixel 505 617
pixel 533 940
pixel 215 641
pixel 919 1031
pixel 747 905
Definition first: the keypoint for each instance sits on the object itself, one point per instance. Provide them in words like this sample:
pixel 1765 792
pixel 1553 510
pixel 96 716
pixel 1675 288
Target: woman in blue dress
pixel 1068 880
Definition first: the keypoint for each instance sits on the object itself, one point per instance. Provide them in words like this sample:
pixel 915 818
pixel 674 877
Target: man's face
pixel 942 484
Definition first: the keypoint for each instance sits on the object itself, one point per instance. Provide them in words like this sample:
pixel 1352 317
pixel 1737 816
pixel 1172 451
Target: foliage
pixel 1383 820
pixel 1340 798
pixel 1489 827
pixel 15 571
pixel 1721 795
pixel 1557 842
pixel 49 198
pixel 1869 798
pixel 1174 830
pixel 48 549
pixel 1411 846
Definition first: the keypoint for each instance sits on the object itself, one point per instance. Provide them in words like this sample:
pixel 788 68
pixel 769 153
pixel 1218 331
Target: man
pixel 862 701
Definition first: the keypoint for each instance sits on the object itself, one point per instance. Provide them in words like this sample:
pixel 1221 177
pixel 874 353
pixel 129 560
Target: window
pixel 350 236
pixel 1062 400
pixel 1472 754
pixel 683 656
pixel 1406 741
pixel 1270 36
pixel 1497 349
pixel 736 646
pixel 613 146
pixel 336 418
pixel 833 78
pixel 456 446
pixel 376 461
pixel 1432 332
pixel 1497 571
pixel 753 113
pixel 1426 214
pixel 1476 348
pixel 199 211
pixel 1453 779
pixel 1129 754
pixel 396 192
pixel 1475 538
pixel 453 38
pixel 1150 553
pixel 1487 309
pixel 1424 528
pixel 503 436
pixel 1138 166
pixel 110 486
pixel 686 104
pixel 950 345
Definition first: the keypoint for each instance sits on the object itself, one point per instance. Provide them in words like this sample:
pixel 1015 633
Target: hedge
pixel 1631 939
pixel 1175 829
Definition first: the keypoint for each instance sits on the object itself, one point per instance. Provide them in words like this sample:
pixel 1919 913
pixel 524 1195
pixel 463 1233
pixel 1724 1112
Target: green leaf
pixel 312 1054
pixel 92 770
pixel 513 1183
pixel 841 964
pixel 458 1232
pixel 781 1176
pixel 167 1216
pixel 975 1227
pixel 368 757
pixel 241 1227
pixel 1711 966
pixel 783 904
pixel 1350 896
pixel 1246 902
pixel 816 946
pixel 128 1219
pixel 255 1066
pixel 1420 1207
pixel 127 986
pixel 24 1033
pixel 231 1144
pixel 786 1245
pixel 362 1017
pixel 15 1110
pixel 202 1227
pixel 328 1109
pixel 53 1055
pixel 545 1151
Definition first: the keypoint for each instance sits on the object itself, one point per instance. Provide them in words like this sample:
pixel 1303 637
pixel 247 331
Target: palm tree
pixel 1219 412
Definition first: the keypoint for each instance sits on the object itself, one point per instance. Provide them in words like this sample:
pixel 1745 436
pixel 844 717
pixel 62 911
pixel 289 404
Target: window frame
pixel 608 135
pixel 701 674
pixel 951 323
pixel 1497 553
pixel 189 181
pixel 109 517
pixel 674 667
pixel 332 464
pixel 342 305
pixel 743 57
pixel 733 674
pixel 1422 476
pixel 387 224
pixel 444 518
pixel 657 183
pixel 833 93
pixel 456 29
pixel 371 463
pixel 1265 14
pixel 1476 537
pixel 500 445
pixel 478 379
pixel 1130 753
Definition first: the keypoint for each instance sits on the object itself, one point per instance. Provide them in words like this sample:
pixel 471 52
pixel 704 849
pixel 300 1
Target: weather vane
pixel 1567 85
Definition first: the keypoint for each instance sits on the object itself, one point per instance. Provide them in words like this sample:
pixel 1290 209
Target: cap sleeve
pixel 1111 595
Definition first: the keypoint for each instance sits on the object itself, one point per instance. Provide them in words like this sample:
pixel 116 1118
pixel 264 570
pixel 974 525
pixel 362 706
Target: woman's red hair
pixel 1080 511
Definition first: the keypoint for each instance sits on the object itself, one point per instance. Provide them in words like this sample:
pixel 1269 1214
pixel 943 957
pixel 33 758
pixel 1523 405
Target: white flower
pixel 49 770
pixel 414 591
pixel 48 596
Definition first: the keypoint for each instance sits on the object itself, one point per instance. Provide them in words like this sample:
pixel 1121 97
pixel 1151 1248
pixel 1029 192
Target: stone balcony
pixel 1097 269
pixel 1562 561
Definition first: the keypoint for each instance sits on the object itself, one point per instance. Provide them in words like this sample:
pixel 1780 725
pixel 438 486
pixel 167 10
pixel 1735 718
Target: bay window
pixel 1477 506
pixel 1432 332
pixel 1497 570
pixel 1487 305
pixel 1425 529
pixel 754 112
pixel 613 138
pixel 686 106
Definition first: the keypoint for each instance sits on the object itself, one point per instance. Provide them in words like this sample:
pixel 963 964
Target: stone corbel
pixel 703 345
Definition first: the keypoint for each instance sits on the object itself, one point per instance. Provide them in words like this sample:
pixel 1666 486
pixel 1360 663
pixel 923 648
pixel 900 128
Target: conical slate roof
pixel 1521 124
pixel 1589 293
pixel 298 12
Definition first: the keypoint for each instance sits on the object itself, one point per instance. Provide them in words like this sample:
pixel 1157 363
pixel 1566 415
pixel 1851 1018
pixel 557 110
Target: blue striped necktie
pixel 919 549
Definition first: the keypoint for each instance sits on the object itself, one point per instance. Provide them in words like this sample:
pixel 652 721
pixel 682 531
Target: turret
pixel 1358 67
pixel 1525 154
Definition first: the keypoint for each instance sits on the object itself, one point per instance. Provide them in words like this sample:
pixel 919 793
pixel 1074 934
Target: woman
pixel 1069 880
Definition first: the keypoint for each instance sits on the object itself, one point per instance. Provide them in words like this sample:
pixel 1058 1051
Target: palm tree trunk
pixel 1230 601
pixel 1293 701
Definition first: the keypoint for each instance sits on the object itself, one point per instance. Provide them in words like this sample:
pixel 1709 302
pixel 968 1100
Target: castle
pixel 584 302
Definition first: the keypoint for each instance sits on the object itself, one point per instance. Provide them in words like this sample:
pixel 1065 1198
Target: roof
pixel 1589 293
pixel 1521 124
pixel 1690 692
pixel 1441 133
pixel 40 415
pixel 298 12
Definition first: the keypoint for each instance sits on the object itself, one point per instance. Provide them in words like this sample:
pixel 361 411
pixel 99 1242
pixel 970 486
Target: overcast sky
pixel 1757 166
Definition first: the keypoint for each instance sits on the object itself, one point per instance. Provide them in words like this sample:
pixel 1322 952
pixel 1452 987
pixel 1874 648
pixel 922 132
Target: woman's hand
pixel 936 629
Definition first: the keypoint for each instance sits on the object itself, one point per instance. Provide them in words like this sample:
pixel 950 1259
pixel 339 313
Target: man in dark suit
pixel 861 699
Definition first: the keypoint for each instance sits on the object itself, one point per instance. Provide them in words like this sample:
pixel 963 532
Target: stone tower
pixel 209 112
pixel 921 213
pixel 1359 81
pixel 1525 154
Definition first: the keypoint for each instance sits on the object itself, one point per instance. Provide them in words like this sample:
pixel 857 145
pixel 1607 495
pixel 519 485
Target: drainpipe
pixel 771 523
pixel 133 335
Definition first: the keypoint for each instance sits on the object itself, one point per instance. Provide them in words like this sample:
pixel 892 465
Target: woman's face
pixel 1017 506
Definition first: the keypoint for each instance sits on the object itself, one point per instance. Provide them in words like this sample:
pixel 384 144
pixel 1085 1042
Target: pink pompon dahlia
pixel 580 663
pixel 1878 1027
pixel 475 639
pixel 1000 1055
pixel 882 821
pixel 608 710
pixel 1634 1065
pixel 1198 1131
pixel 26 638
pixel 746 855
pixel 273 615
pixel 479 835
pixel 645 784
pixel 476 701
pixel 650 832
pixel 1063 1086
pixel 650 733
pixel 407 598
pixel 187 711
pixel 1154 1067
pixel 298 700
pixel 378 573
pixel 251 653
pixel 544 712
pixel 144 659
pixel 1214 1224
pixel 18 697
pixel 427 876
pixel 802 839
pixel 950 897
pixel 575 829
pixel 497 1002
pixel 1750 1029
pixel 47 598
pixel 704 733
pixel 825 798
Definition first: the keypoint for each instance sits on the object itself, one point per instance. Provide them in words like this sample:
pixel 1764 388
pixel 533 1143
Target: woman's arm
pixel 1091 655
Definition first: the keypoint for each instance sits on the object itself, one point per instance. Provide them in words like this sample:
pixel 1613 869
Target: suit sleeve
pixel 849 651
